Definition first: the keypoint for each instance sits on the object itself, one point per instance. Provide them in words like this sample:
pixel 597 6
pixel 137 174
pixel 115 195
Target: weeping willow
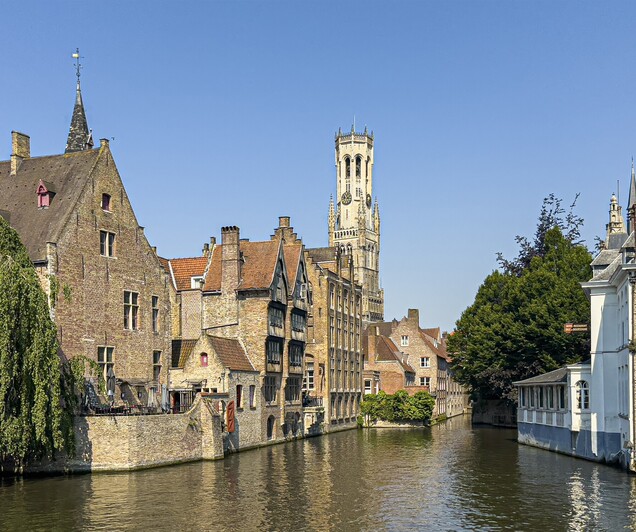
pixel 36 389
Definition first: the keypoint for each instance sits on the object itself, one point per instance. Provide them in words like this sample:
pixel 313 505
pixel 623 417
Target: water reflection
pixel 449 477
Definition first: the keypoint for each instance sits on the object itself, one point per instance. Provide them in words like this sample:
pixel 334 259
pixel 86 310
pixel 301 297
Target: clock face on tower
pixel 368 200
pixel 346 198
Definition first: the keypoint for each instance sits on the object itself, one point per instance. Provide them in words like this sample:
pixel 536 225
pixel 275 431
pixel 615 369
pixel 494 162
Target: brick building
pixel 256 293
pixel 333 365
pixel 384 358
pixel 423 350
pixel 109 295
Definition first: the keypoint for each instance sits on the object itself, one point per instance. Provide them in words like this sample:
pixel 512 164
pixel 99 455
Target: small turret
pixel 616 234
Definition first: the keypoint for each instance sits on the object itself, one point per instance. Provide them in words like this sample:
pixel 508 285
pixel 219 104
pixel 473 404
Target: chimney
pixel 414 315
pixel 283 221
pixel 21 149
pixel 103 143
pixel 230 259
pixel 206 249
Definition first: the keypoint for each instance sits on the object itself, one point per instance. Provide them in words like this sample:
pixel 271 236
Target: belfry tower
pixel 354 222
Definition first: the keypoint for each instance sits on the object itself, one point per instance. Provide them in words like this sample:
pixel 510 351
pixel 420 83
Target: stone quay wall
pixel 126 443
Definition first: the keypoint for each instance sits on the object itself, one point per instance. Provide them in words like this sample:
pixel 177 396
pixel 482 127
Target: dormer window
pixel 45 195
pixel 196 281
pixel 106 202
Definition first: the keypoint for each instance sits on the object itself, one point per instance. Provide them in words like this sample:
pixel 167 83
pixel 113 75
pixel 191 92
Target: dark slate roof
pixel 630 242
pixel 606 274
pixel 66 173
pixel 327 254
pixel 231 353
pixel 181 350
pixel 552 377
pixel 605 257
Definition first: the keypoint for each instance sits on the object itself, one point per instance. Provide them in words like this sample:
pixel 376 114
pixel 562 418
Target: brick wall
pixel 90 304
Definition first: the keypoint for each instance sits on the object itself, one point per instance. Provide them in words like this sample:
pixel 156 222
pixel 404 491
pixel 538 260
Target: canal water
pixel 448 477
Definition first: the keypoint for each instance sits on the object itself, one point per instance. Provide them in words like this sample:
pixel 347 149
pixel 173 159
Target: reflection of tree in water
pixel 447 477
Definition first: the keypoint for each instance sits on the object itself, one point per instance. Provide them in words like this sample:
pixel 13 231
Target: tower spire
pixel 79 136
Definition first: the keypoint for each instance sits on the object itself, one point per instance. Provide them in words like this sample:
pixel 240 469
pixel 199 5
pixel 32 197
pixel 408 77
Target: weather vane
pixel 78 65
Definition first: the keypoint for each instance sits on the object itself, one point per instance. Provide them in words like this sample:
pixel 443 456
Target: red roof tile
pixel 231 353
pixel 257 269
pixel 185 269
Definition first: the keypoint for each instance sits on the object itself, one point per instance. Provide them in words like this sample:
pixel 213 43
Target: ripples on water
pixel 449 477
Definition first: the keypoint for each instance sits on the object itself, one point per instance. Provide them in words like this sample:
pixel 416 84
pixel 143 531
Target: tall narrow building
pixel 354 221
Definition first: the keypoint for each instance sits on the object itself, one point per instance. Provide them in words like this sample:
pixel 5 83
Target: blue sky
pixel 223 113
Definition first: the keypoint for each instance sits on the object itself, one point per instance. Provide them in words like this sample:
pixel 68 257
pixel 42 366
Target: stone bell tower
pixel 354 222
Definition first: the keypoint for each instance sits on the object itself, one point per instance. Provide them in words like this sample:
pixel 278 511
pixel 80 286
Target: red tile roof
pixel 387 351
pixel 257 269
pixel 185 269
pixel 292 254
pixel 231 353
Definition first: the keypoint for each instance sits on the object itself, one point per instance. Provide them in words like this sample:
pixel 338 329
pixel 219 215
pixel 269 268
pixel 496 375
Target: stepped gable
pixel 231 353
pixel 65 174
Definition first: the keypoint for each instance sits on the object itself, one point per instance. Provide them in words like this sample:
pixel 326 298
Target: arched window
pixel 582 395
pixel 347 168
pixel 358 166
pixel 204 360
pixel 270 427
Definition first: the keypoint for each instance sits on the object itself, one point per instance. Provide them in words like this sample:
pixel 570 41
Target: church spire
pixel 79 136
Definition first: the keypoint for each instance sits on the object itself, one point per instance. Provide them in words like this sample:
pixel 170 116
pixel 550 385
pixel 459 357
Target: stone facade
pixel 125 443
pixel 354 225
pixel 333 364
pixel 95 264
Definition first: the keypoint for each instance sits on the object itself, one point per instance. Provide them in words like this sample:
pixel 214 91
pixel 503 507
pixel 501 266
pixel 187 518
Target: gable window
pixel 582 395
pixel 155 314
pixel 425 381
pixel 106 244
pixel 131 310
pixel 425 362
pixel 156 365
pixel 44 195
pixel 106 202
pixel 204 360
pixel 404 340
pixel 105 360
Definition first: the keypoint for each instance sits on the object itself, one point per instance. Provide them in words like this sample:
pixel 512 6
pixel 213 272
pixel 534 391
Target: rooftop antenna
pixel 78 65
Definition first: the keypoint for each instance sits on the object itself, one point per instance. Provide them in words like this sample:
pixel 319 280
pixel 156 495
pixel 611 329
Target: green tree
pixel 398 407
pixel 34 386
pixel 514 329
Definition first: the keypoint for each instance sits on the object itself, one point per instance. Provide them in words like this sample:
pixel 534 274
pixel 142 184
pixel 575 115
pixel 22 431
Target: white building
pixel 587 409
